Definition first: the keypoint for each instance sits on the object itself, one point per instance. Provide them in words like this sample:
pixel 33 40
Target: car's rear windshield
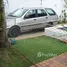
pixel 18 12
pixel 50 11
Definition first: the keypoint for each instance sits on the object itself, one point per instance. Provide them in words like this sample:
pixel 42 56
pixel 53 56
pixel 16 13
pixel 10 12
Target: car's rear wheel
pixel 50 24
pixel 14 31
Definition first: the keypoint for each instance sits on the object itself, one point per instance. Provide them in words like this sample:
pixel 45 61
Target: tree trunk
pixel 3 37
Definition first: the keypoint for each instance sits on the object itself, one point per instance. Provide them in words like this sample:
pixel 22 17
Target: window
pixel 50 12
pixel 30 14
pixel 18 12
pixel 41 12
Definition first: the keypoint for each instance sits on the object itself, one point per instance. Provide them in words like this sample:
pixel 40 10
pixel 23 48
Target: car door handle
pixel 34 19
pixel 46 17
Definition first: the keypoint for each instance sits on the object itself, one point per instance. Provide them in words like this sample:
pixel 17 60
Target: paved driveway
pixel 31 34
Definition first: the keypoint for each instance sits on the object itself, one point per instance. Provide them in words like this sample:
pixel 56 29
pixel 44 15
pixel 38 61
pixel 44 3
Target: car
pixel 25 19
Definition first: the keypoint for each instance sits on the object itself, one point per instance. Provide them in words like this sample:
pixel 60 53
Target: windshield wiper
pixel 12 15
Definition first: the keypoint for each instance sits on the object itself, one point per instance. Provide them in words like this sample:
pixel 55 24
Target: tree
pixel 3 37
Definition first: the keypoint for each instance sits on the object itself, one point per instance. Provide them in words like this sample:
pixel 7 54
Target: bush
pixel 62 17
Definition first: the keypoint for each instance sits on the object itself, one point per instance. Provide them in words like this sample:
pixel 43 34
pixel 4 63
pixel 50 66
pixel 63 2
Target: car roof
pixel 35 8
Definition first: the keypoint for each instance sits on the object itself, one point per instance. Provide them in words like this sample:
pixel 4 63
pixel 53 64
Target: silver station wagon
pixel 25 19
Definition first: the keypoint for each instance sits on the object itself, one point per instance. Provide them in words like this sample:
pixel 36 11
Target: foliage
pixel 65 3
pixel 62 17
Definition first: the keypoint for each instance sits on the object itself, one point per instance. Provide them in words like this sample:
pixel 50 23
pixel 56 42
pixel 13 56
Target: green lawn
pixel 45 45
pixel 32 49
pixel 11 58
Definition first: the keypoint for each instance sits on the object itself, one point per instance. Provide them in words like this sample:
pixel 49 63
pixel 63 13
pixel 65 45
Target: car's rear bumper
pixel 55 23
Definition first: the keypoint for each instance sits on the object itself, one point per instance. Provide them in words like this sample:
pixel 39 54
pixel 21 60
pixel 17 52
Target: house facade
pixel 11 5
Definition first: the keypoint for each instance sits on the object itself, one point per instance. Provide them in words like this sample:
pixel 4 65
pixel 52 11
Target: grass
pixel 11 58
pixel 35 49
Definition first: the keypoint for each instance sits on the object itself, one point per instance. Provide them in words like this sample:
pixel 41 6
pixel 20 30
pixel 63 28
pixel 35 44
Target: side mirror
pixel 26 17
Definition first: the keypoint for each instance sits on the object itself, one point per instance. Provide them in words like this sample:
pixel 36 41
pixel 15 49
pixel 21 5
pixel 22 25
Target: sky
pixel 57 5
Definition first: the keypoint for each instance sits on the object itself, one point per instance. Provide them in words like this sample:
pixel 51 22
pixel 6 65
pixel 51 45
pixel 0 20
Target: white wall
pixel 57 5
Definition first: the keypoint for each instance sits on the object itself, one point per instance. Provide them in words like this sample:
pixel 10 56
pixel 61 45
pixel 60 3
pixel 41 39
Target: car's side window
pixel 50 12
pixel 30 14
pixel 41 13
